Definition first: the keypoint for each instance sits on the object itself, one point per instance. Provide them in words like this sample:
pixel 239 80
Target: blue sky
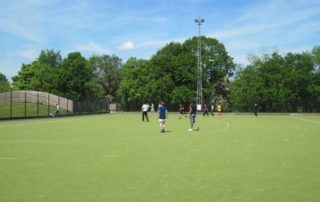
pixel 139 28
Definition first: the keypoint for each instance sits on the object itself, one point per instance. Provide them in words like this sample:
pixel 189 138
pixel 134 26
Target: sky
pixel 139 28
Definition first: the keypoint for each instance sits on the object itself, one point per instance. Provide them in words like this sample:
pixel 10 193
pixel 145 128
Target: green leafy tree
pixel 106 75
pixel 137 83
pixel 171 74
pixel 246 89
pixel 217 66
pixel 276 83
pixel 41 74
pixel 74 77
pixel 314 89
pixel 4 83
pixel 316 56
pixel 174 74
pixel 297 77
pixel 179 63
pixel 25 78
pixel 50 62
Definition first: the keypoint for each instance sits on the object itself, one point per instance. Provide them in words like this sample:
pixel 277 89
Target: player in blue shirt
pixel 162 116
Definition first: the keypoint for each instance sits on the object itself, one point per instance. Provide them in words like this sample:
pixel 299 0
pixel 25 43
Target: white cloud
pixel 158 43
pixel 91 47
pixel 29 54
pixel 241 59
pixel 153 43
pixel 126 46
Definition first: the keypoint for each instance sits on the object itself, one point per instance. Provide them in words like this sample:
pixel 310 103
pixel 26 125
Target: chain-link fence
pixel 83 107
pixel 22 104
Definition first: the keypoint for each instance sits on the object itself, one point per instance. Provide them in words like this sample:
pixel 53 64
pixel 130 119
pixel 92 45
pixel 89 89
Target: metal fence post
pixel 25 103
pixel 48 104
pixel 11 103
pixel 82 103
pixel 37 105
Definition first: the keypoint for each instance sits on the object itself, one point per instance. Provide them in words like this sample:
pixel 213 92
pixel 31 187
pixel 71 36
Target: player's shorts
pixel 162 120
pixel 192 118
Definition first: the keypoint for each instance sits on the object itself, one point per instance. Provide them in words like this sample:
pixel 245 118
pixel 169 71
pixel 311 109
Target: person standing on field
pixel 256 109
pixel 151 109
pixel 144 110
pixel 205 110
pixel 181 110
pixel 212 109
pixel 192 114
pixel 219 109
pixel 163 115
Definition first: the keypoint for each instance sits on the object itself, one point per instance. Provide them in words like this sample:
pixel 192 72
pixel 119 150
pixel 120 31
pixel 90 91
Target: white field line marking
pixel 63 141
pixel 7 158
pixel 110 155
pixel 33 141
pixel 221 129
pixel 45 122
pixel 25 124
pixel 302 119
pixel 250 145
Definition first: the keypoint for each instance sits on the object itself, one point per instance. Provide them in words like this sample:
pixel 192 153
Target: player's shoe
pixel 190 129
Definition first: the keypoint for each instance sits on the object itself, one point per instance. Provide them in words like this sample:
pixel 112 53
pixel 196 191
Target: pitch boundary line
pixel 306 120
pixel 44 122
pixel 25 124
pixel 7 158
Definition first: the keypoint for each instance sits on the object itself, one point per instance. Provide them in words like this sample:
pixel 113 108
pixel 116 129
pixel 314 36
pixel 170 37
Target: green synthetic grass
pixel 120 158
pixel 32 110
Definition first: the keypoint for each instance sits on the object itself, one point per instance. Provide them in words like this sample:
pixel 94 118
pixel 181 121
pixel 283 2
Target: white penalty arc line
pixel 306 120
pixel 221 129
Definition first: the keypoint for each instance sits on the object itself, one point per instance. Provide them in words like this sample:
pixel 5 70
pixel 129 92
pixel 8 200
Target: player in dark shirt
pixel 181 110
pixel 193 113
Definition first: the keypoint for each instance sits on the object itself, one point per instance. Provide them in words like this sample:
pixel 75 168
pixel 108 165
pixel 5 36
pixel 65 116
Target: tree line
pixel 277 83
pixel 289 83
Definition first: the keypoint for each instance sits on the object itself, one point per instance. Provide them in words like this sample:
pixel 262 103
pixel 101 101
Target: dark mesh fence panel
pixel 5 105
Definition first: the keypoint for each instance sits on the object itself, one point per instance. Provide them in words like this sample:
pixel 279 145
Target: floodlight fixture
pixel 199 98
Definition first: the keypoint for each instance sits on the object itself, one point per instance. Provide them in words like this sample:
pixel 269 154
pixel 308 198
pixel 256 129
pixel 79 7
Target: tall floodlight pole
pixel 199 99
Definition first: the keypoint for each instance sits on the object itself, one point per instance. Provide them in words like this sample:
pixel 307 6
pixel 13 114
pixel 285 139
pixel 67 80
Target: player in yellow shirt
pixel 219 109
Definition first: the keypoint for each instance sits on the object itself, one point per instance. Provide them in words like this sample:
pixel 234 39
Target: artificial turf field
pixel 120 158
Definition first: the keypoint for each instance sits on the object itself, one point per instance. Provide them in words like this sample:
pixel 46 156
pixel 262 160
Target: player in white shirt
pixel 144 110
